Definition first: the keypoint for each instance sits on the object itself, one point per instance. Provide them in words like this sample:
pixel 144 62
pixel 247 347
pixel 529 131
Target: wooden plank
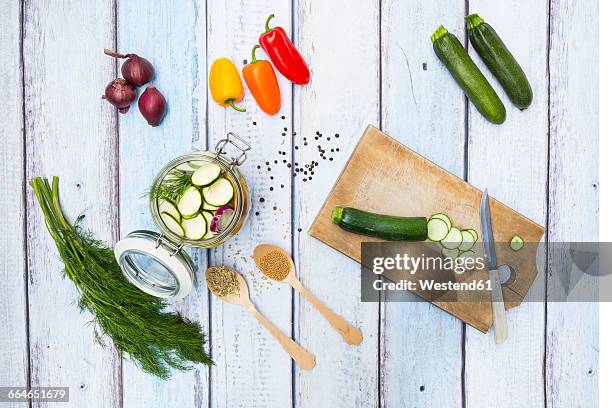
pixel 251 368
pixel 510 160
pixel 421 358
pixel 13 304
pixel 572 348
pixel 172 36
pixel 70 133
pixel 343 98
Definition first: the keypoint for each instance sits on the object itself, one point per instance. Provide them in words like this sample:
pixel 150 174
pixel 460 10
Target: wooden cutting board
pixel 386 177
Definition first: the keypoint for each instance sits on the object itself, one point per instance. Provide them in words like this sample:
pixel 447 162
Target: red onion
pixel 136 70
pixel 120 93
pixel 152 105
pixel 222 217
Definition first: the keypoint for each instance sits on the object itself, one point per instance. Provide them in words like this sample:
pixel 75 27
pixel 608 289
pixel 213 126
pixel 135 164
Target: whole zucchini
pixel 382 226
pixel 500 61
pixel 476 87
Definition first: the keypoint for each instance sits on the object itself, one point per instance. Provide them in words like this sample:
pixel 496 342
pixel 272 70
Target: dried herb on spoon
pixel 135 321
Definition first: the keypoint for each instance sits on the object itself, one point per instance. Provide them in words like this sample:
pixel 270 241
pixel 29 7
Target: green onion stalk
pixel 156 340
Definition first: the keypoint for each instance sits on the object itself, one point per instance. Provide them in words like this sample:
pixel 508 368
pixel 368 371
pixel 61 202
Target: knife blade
pixel 500 324
pixel 487 232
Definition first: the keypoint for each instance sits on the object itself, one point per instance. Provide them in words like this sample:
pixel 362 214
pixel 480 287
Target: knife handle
pixel 500 324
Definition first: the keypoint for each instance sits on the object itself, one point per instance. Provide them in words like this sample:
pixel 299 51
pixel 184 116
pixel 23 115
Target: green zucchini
pixel 500 61
pixel 476 87
pixel 387 227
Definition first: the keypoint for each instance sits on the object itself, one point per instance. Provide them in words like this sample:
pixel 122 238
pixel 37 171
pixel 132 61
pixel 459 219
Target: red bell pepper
pixel 285 57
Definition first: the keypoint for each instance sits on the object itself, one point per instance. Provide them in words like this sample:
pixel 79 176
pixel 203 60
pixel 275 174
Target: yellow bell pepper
pixel 225 84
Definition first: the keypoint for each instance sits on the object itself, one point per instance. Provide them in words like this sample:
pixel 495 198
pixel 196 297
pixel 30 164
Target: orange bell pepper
pixel 261 80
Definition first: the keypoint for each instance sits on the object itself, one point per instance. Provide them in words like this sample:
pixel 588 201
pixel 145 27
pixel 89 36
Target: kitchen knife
pixel 500 325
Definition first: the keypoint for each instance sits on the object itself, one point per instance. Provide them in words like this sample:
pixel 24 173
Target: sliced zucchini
pixel 474 233
pixel 516 243
pixel 444 218
pixel 209 217
pixel 219 193
pixel 172 224
pixel 467 240
pixel 453 239
pixel 190 202
pixel 169 208
pixel 195 228
pixel 184 167
pixel 208 207
pixel 205 174
pixel 450 252
pixel 196 164
pixel 467 254
pixel 437 229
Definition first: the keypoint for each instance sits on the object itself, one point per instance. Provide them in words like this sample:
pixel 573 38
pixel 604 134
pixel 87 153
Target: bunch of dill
pixel 135 321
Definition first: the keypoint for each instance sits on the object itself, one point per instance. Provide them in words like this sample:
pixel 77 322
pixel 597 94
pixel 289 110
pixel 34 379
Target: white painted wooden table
pixel 371 62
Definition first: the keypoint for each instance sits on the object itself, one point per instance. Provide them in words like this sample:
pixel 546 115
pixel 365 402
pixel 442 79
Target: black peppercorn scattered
pixel 255 123
pixel 271 188
pixel 283 117
pixel 261 199
pixel 256 212
pixel 337 135
pixel 299 230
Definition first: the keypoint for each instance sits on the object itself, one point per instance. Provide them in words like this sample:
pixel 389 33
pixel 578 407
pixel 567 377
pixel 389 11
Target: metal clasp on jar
pixel 236 141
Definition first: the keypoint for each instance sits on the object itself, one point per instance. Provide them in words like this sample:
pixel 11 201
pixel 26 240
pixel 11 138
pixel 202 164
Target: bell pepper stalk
pixel 285 57
pixel 261 80
pixel 225 83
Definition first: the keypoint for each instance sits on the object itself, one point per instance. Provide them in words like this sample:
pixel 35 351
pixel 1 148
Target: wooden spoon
pixel 302 357
pixel 351 334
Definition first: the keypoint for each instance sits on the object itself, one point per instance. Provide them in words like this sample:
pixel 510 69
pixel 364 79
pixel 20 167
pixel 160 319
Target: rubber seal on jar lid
pixel 154 266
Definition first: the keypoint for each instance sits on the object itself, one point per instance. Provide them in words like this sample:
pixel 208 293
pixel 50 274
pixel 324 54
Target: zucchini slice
pixel 467 240
pixel 437 229
pixel 444 218
pixel 453 239
pixel 205 174
pixel 195 228
pixel 185 167
pixel 516 243
pixel 190 202
pixel 208 207
pixel 172 224
pixel 196 164
pixel 474 233
pixel 219 193
pixel 209 217
pixel 450 252
pixel 167 207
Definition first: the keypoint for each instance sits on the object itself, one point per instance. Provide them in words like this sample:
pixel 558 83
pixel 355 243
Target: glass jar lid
pixel 155 264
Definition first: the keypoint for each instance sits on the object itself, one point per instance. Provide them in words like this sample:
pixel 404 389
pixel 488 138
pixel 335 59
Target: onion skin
pixel 120 93
pixel 152 105
pixel 136 70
